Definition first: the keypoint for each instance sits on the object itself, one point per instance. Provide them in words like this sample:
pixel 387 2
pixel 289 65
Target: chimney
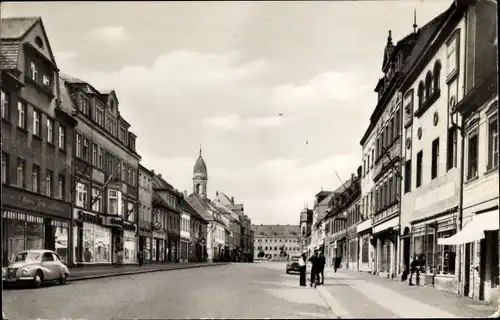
pixel 352 176
pixel 159 175
pixel 185 194
pixel 216 193
pixel 153 172
pixel 232 200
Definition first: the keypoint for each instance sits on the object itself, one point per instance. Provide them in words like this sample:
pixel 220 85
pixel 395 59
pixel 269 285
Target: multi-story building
pixel 306 219
pixel 170 200
pixel 342 216
pixel 145 212
pixel 478 222
pixel 276 241
pixel 105 167
pixel 321 201
pixel 198 232
pixel 216 229
pixel 251 239
pixel 37 131
pixel 433 83
pixel 185 241
pixel 159 241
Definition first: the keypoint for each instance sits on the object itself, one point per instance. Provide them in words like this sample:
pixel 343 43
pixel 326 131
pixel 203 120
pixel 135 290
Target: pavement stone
pixel 393 298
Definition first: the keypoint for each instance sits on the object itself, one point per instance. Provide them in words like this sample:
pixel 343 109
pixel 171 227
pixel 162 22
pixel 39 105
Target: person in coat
pixel 314 268
pixel 302 270
pixel 321 267
pixel 414 269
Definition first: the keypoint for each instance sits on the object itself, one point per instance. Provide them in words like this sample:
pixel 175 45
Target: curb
pixel 109 275
pixel 339 311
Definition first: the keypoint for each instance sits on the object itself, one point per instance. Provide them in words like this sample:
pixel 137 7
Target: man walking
pixel 321 267
pixel 414 268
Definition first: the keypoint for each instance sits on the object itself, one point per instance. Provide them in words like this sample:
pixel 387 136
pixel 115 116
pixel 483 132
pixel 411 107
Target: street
pixel 256 290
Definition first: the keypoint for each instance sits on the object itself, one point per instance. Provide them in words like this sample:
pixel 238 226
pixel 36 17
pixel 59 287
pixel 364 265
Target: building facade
pixel 145 212
pixel 198 229
pixel 37 131
pixel 321 201
pixel 276 241
pixel 306 219
pixel 478 111
pixel 105 168
pixel 431 170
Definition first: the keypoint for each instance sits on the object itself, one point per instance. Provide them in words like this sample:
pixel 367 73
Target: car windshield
pixel 27 256
pixel 295 258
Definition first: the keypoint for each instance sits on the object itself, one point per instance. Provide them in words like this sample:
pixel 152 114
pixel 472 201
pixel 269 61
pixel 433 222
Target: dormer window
pixel 123 135
pixel 83 104
pixel 437 73
pixel 39 42
pixel 421 96
pixel 99 115
pixel 428 85
pixel 33 72
pixel 45 80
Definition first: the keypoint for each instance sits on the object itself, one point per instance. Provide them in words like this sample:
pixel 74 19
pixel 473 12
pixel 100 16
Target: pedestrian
pixel 321 267
pixel 335 264
pixel 414 269
pixel 314 269
pixel 302 270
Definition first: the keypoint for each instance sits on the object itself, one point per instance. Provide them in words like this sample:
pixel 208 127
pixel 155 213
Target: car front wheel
pixel 38 279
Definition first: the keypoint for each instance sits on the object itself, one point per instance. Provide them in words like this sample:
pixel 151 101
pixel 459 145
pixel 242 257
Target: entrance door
pixel 467 268
pixel 406 253
pixel 482 267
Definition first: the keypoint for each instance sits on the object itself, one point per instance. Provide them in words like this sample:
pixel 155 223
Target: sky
pixel 219 74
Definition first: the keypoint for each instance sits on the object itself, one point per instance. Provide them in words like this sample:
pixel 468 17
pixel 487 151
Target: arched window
pixel 428 85
pixel 437 73
pixel 421 97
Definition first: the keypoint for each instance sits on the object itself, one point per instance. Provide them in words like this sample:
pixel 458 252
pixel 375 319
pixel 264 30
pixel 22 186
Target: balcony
pixel 393 153
pixel 385 213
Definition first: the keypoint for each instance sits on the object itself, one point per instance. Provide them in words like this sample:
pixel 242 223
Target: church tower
pixel 200 177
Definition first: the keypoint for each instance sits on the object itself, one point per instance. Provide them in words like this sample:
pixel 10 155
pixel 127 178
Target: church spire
pixel 200 149
pixel 414 20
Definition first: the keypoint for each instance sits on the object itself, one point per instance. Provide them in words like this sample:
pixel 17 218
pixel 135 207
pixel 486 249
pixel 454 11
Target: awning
pixel 474 230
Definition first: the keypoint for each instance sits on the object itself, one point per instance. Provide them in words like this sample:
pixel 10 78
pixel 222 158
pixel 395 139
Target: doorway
pixel 467 268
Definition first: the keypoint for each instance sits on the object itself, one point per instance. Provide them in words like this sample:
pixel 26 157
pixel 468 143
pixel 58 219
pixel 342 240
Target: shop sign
pixel 89 217
pixel 128 226
pixel 28 201
pixel 112 221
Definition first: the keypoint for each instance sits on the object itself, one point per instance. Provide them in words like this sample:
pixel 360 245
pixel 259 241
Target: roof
pixel 67 103
pixel 326 200
pixel 200 206
pixel 16 28
pixel 9 53
pixel 200 168
pixel 189 209
pixel 276 230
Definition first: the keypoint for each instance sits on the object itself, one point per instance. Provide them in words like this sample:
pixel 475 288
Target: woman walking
pixel 302 270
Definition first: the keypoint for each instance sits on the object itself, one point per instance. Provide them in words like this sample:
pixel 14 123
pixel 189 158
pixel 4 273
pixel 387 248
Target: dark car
pixel 293 264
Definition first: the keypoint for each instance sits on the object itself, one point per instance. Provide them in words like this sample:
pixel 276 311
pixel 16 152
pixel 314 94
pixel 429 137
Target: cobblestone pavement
pixel 256 290
pixel 361 295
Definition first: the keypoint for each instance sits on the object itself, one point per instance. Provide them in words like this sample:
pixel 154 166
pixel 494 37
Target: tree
pixel 261 254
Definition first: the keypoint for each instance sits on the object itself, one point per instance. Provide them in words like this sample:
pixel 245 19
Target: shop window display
pixel 95 244
pixel 153 251
pixel 130 248
pixel 365 250
pixel 61 241
pixel 147 250
pixel 430 253
pixel 446 255
pixel 21 232
pixel 161 250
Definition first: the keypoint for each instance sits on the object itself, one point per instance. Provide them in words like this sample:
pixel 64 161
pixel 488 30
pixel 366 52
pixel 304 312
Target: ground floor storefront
pixel 98 239
pixel 145 242
pixel 174 244
pixel 366 249
pixel 437 263
pixel 386 238
pixel 352 250
pixel 32 221
pixel 184 250
pixel 478 243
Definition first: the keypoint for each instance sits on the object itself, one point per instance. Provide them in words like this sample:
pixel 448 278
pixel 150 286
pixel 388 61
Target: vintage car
pixel 35 267
pixel 292 264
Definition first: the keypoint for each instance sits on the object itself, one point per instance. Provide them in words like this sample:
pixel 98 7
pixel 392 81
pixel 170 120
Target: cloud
pixel 332 86
pixel 109 33
pixel 234 121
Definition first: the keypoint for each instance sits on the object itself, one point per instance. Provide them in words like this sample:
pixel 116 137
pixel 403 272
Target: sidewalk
pixel 397 297
pixel 85 273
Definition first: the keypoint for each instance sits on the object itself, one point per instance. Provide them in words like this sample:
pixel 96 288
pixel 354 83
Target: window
pixel 94 154
pixel 130 212
pixel 62 137
pixel 96 200
pixel 33 72
pixel 20 172
pixel 60 187
pixel 492 142
pixel 21 115
pixel 85 149
pixel 78 149
pixel 364 167
pixel 35 179
pixel 100 159
pixel 428 85
pixel 123 135
pixel 5 105
pixel 99 116
pixel 397 124
pixel 435 158
pixel 419 168
pixel 50 130
pixel 81 195
pixel 451 150
pixel 112 202
pixel 84 105
pixel 36 123
pixel 472 153
pixel 5 167
pixel 48 183
pixel 451 56
pixel 421 95
pixel 368 164
pixel 45 80
pixel 437 74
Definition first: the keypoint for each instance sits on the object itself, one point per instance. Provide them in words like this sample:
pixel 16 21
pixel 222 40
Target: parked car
pixel 36 267
pixel 292 264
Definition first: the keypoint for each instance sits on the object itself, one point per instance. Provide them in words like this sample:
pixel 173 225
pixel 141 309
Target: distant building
pixel 276 241
pixel 306 220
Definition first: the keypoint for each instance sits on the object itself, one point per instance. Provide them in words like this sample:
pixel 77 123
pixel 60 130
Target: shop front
pixel 437 262
pixel 365 256
pixel 173 247
pixel 92 240
pixel 480 237
pixel 159 251
pixel 32 221
pixel 145 245
pixel 386 235
pixel 184 250
pixel 352 247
